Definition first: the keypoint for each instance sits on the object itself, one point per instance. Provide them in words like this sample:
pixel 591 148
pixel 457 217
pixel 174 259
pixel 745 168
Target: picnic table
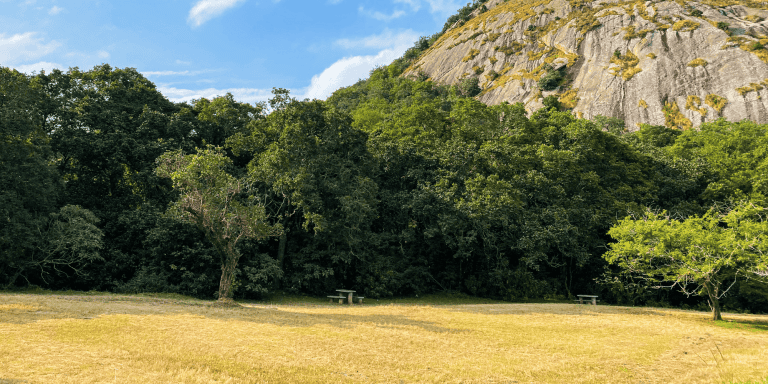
pixel 346 294
pixel 587 298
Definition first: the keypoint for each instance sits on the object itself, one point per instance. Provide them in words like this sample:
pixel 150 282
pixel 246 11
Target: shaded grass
pixel 744 325
pixel 131 339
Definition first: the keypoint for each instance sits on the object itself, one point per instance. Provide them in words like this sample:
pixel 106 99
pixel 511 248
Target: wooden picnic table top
pixel 345 290
pixel 587 296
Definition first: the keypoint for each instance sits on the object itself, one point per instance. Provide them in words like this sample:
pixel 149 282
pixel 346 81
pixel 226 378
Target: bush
pixel 722 25
pixel 551 80
pixel 469 87
pixel 551 101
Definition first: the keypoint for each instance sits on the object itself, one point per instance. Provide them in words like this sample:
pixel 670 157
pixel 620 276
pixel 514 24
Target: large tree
pixel 213 200
pixel 699 255
pixel 29 185
pixel 317 170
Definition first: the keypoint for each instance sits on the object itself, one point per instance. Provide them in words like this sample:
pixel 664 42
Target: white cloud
pixel 248 95
pixel 37 67
pixel 24 47
pixel 415 4
pixel 55 10
pixel 386 39
pixel 348 71
pixel 205 10
pixel 381 16
pixel 103 54
pixel 342 73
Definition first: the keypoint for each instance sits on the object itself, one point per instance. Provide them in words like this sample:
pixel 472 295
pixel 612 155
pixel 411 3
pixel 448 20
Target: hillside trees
pixel 484 198
pixel 210 199
pixel 703 255
pixel 38 242
pixel 316 169
pixel 736 154
pixel 394 186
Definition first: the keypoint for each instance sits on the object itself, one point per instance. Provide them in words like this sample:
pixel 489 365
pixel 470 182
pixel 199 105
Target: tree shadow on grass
pixel 33 308
pixel 746 325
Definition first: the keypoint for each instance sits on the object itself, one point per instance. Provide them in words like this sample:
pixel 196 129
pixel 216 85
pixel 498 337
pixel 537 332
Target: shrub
pixel 673 118
pixel 469 87
pixel 722 25
pixel 471 55
pixel 569 99
pixel 511 49
pixel 551 80
pixel 716 102
pixel 698 62
pixel 685 26
pixel 550 102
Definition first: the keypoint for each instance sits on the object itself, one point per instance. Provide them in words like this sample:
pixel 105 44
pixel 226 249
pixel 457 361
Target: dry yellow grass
pixel 119 339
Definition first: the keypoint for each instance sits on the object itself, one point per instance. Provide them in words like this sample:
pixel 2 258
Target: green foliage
pixel 736 154
pixel 317 166
pixel 464 14
pixel 551 80
pixel 609 124
pixel 209 200
pixel 469 87
pixel 551 101
pixel 394 186
pixel 698 255
pixel 29 186
pixel 67 241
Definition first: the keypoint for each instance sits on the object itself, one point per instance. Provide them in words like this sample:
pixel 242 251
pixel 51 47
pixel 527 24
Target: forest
pixel 393 186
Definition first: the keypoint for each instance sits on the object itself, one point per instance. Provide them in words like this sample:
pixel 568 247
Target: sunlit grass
pixel 156 338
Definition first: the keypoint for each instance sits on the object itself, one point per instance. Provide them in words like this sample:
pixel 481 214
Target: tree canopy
pixel 699 255
pixel 393 186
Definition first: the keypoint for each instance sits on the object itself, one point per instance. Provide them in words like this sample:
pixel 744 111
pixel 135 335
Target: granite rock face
pixel 674 63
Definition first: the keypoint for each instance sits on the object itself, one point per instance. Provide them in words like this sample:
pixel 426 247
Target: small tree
pixel 700 255
pixel 66 242
pixel 212 200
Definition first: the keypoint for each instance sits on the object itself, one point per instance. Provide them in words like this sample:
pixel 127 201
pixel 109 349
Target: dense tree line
pixel 393 186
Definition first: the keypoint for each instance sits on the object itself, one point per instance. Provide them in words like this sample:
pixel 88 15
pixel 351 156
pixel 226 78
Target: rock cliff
pixel 675 63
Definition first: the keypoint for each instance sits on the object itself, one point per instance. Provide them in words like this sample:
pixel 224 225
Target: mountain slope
pixel 674 63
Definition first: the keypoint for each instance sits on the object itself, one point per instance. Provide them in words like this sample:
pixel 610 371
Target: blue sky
pixel 203 48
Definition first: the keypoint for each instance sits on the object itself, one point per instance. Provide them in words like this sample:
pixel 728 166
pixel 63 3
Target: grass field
pixel 90 338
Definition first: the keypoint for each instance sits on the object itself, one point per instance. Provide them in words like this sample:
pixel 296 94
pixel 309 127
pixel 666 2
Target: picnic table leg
pixel 341 301
pixel 581 300
pixel 350 298
pixel 594 301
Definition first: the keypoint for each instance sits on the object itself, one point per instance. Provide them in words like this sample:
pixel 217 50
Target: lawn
pixel 102 338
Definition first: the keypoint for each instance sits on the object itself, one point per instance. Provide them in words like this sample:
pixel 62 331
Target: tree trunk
pixel 715 308
pixel 713 301
pixel 228 268
pixel 281 255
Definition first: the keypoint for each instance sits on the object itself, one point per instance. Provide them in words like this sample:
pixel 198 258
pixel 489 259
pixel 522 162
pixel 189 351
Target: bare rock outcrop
pixel 674 63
